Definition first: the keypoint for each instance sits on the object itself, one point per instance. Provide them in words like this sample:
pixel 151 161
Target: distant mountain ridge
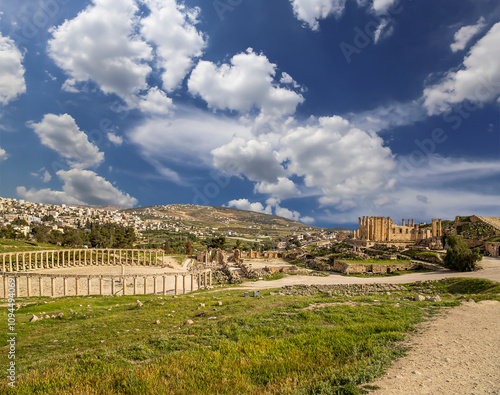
pixel 223 219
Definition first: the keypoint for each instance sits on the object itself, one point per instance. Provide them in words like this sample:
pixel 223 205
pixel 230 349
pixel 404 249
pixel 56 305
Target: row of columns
pixel 63 258
pixel 204 280
pixel 374 228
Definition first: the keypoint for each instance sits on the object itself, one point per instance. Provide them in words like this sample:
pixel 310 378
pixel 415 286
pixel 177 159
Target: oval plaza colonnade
pixel 18 265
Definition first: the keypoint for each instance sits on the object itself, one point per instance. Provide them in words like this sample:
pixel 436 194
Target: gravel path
pixel 457 353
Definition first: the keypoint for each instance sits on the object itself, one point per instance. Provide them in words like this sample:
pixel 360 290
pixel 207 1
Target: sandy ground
pixel 457 353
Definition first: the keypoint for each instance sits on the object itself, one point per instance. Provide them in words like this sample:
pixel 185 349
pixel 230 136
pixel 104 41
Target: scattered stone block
pixel 419 298
pixel 202 304
pixel 189 322
pixel 139 303
pixel 219 303
pixel 157 322
pixel 34 318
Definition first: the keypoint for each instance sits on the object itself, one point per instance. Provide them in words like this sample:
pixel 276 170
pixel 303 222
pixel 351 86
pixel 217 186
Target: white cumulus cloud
pixel 155 102
pixel 246 83
pixel 337 159
pixel 3 154
pixel 80 187
pixel 171 27
pixel 245 204
pixel 465 34
pixel 255 159
pixel 62 134
pixel 115 139
pixel 478 80
pixel 100 44
pixel 312 11
pixel 12 82
pixel 283 188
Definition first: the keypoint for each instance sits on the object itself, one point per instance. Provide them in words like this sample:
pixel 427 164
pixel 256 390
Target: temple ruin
pixel 384 230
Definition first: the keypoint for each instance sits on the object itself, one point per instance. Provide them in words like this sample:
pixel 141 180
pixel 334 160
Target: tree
pixel 166 247
pixel 218 242
pixel 237 245
pixel 189 247
pixel 459 257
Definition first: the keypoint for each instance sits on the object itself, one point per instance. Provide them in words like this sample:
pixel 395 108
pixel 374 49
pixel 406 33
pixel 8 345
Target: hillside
pixel 223 219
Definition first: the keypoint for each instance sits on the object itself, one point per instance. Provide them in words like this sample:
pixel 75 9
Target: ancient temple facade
pixel 384 230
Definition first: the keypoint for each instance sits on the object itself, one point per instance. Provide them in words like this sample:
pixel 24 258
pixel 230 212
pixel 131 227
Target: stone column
pixel 89 285
pixel 176 283
pixel 112 285
pixel 183 284
pixel 192 282
pixel 124 282
pixel 64 259
pixel 24 262
pixel 155 284
pixel 114 257
pixel 199 280
pixel 3 262
pixel 10 263
pixel 5 287
pixel 52 259
pixel 135 285
pixel 17 261
pixel 210 278
pixel 65 286
pixel 388 229
pixel 164 285
pixel 101 285
pixel 434 233
pixel 205 279
pixel 74 257
pixel 52 286
pixel 156 258
pixel 440 229
pixel 109 256
pixel 145 285
pixel 79 257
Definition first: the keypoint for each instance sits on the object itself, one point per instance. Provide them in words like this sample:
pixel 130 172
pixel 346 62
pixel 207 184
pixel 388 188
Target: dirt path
pixel 490 271
pixel 457 353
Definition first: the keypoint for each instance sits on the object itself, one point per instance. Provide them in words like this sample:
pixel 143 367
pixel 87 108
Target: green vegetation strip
pixel 278 344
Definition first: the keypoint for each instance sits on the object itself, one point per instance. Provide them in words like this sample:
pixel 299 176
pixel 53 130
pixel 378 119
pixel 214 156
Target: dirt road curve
pixel 490 271
pixel 455 354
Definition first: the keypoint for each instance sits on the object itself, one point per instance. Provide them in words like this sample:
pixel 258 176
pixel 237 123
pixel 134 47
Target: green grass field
pixel 9 245
pixel 278 344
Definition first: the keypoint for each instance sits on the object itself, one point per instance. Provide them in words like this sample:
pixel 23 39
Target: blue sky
pixel 315 110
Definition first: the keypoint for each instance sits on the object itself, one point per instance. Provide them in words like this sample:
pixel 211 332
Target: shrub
pixel 459 257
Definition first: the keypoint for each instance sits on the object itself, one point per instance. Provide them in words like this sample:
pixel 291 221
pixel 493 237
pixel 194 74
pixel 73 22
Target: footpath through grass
pixel 315 343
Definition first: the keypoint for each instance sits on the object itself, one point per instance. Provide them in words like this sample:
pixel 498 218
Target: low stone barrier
pixel 360 268
pixel 57 285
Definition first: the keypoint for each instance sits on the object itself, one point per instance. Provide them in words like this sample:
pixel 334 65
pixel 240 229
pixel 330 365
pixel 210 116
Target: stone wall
pixel 360 268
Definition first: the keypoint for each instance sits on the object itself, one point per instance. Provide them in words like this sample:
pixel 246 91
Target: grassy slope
pixel 274 344
pixel 9 245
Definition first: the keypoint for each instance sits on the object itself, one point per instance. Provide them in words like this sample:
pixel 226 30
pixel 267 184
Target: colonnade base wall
pixel 20 266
